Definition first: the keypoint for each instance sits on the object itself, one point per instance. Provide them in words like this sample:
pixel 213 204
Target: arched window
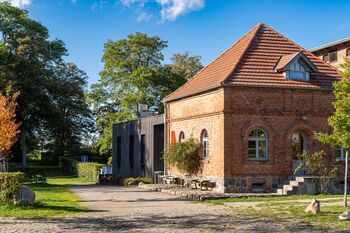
pixel 182 136
pixel 204 145
pixel 348 52
pixel 257 144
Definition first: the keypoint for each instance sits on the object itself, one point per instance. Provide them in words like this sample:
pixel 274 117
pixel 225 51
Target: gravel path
pixel 119 209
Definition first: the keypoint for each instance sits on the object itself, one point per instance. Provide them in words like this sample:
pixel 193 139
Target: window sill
pixel 252 159
pixel 342 160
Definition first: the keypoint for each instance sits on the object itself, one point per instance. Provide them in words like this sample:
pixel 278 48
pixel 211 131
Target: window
pixel 143 149
pixel 181 136
pixel 131 152
pixel 205 144
pixel 119 151
pixel 348 52
pixel 333 56
pixel 340 153
pixel 298 72
pixel 257 144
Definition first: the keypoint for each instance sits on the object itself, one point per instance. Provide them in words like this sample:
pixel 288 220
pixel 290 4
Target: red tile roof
pixel 251 62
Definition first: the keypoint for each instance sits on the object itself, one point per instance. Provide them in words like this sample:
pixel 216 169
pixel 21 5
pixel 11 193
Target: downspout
pixel 165 133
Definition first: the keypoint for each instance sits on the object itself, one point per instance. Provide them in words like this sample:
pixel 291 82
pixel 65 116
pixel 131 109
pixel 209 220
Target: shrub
pixel 318 164
pixel 137 180
pixel 83 170
pixel 88 170
pixel 185 156
pixel 9 184
pixel 33 174
pixel 68 163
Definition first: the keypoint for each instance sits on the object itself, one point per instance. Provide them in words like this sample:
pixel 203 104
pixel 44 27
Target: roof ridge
pixel 256 28
pixel 303 49
pixel 218 57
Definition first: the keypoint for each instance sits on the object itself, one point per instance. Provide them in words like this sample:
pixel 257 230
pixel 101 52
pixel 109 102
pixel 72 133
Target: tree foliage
pixel 320 166
pixel 8 125
pixel 340 120
pixel 133 74
pixel 186 65
pixel 33 64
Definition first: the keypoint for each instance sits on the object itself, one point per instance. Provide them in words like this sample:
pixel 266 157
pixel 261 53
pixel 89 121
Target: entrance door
pixel 299 147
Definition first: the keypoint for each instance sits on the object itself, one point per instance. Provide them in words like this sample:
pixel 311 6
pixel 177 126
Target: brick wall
pixel 230 113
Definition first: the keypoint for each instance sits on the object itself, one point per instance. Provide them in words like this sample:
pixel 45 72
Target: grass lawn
pixel 288 208
pixel 52 199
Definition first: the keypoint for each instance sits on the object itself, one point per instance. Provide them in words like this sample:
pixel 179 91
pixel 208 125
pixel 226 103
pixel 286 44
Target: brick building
pixel 253 109
pixel 333 53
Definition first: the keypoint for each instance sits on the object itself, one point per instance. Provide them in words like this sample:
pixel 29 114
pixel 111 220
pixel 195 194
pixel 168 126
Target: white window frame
pixel 258 139
pixel 205 144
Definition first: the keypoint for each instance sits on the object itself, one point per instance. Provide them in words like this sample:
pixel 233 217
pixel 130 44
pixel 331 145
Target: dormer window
pixel 298 72
pixel 296 67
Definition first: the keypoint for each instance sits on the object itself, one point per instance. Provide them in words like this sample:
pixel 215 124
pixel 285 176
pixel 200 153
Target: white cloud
pixel 144 16
pixel 170 9
pixel 18 3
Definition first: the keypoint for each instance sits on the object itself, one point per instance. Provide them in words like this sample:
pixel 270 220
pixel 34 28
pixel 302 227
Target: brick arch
pixel 254 125
pixel 308 132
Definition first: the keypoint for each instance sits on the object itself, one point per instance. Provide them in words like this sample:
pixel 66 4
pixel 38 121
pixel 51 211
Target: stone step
pixel 280 191
pixel 299 178
pixel 288 187
pixel 294 183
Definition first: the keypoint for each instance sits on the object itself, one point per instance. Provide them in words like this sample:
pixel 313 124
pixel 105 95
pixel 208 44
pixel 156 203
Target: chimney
pixel 143 110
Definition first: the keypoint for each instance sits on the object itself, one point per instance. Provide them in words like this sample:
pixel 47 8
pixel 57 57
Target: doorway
pixel 299 147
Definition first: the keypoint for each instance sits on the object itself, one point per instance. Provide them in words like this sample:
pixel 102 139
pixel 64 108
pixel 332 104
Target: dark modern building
pixel 138 147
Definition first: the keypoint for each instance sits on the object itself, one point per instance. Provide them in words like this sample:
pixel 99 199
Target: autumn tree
pixel 8 126
pixel 340 120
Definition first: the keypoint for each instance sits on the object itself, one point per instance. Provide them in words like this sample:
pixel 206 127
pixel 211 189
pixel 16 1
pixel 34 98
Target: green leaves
pixel 184 156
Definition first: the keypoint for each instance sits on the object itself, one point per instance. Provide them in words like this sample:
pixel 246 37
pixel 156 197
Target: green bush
pixel 33 174
pixel 185 156
pixel 83 170
pixel 88 170
pixel 9 184
pixel 137 180
pixel 68 163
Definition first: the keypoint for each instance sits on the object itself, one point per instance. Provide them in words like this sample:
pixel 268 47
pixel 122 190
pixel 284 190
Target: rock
pixel 313 207
pixel 141 184
pixel 25 196
pixel 345 215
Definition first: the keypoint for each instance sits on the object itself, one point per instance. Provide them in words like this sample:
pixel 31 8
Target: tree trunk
pixel 24 150
pixel 3 163
pixel 346 178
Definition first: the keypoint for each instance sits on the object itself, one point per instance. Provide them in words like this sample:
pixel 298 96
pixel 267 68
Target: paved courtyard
pixel 119 209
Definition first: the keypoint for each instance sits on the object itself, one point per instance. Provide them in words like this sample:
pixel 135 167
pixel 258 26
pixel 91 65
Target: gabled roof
pixel 251 62
pixel 286 60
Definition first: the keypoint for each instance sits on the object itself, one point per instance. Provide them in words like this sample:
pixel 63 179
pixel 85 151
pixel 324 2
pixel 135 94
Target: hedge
pixel 88 170
pixel 136 180
pixel 9 184
pixel 82 170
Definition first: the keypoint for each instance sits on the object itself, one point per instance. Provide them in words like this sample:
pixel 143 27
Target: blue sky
pixel 201 27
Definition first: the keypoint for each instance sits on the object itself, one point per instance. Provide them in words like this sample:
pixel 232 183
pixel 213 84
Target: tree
pixel 27 60
pixel 52 105
pixel 73 117
pixel 186 65
pixel 129 68
pixel 318 165
pixel 133 75
pixel 8 125
pixel 340 120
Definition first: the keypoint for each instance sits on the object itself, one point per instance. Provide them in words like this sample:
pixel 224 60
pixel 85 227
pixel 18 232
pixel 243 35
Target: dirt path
pixel 119 209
